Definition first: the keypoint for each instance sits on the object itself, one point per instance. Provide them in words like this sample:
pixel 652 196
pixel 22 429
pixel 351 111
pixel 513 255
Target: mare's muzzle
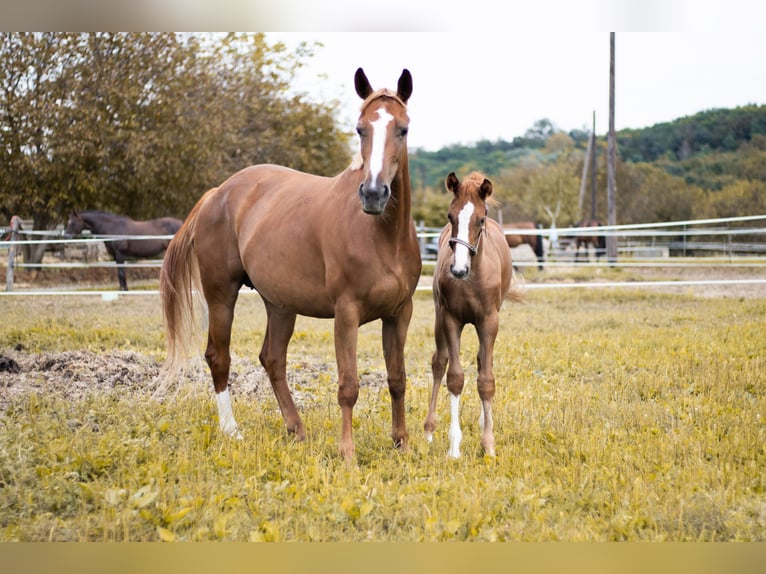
pixel 374 199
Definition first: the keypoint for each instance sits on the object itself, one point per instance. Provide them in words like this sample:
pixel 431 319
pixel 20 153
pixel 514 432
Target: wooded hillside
pixel 710 164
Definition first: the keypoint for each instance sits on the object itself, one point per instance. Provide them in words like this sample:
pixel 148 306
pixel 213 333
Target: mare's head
pixel 382 127
pixel 75 225
pixel 467 216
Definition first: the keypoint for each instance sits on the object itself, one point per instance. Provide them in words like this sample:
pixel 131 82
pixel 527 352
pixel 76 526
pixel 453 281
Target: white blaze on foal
pixel 462 261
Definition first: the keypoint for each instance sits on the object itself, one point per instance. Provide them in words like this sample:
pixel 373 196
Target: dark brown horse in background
pixel 342 247
pixel 472 278
pixel 125 245
pixel 534 240
pixel 597 240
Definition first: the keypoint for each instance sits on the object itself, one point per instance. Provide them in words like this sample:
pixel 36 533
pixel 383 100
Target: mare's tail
pixel 179 278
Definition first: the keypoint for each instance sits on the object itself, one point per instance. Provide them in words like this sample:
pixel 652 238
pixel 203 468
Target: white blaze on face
pixel 462 255
pixel 379 131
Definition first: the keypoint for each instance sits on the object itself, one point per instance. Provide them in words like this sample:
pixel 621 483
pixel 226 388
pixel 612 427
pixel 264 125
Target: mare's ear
pixel 362 84
pixel 404 88
pixel 452 182
pixel 486 189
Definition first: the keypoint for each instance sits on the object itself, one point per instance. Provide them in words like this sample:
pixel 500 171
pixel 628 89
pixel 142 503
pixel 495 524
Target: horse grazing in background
pixel 342 247
pixel 535 241
pixel 121 248
pixel 597 240
pixel 471 281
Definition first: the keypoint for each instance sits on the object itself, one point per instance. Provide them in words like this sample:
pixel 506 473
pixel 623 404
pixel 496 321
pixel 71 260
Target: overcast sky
pixel 470 86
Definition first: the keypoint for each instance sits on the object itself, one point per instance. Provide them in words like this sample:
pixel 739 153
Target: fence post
pixel 14 236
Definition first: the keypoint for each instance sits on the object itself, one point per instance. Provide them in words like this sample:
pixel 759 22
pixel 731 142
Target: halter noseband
pixel 472 249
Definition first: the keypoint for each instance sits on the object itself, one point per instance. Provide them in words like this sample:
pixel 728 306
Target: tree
pixel 143 124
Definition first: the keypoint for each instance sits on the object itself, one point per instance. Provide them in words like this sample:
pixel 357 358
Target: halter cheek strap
pixel 471 248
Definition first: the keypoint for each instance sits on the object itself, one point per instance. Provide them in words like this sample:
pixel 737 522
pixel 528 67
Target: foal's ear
pixel 404 88
pixel 452 182
pixel 486 189
pixel 362 84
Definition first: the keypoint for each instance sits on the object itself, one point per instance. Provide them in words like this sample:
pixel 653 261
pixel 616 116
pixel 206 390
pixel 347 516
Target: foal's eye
pixel 403 132
pixel 360 131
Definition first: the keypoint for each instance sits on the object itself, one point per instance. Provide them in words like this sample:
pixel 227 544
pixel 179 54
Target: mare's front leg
pixel 279 329
pixel 487 332
pixel 346 336
pixel 394 338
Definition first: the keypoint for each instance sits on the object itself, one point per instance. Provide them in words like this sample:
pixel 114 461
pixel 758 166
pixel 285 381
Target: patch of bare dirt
pixel 73 375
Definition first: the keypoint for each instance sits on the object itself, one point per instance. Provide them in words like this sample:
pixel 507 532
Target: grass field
pixel 620 415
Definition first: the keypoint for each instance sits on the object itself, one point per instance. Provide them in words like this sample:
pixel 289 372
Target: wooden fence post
pixel 15 226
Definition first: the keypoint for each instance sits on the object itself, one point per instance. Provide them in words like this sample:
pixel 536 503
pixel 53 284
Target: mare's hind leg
pixel 273 357
pixel 218 357
pixel 487 332
pixel 438 367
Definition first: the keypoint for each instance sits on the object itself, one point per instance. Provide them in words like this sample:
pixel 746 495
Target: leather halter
pixel 473 249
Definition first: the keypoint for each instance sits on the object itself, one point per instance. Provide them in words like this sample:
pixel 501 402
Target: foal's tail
pixel 179 278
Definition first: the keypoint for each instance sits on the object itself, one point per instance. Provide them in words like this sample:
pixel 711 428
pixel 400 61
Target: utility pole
pixel 593 169
pixel 611 194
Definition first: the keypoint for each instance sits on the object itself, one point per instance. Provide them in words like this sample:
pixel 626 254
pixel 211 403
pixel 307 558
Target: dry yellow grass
pixel 620 415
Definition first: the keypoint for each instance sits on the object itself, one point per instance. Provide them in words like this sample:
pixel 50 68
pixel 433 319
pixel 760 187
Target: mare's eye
pixel 450 218
pixel 360 131
pixel 403 132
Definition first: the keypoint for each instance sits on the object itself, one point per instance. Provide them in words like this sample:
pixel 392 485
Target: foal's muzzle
pixel 374 199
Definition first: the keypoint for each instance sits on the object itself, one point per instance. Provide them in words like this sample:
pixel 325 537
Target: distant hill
pixel 700 148
pixel 721 130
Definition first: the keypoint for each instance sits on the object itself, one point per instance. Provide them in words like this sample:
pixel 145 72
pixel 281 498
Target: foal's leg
pixel 438 367
pixel 487 331
pixel 455 381
pixel 394 337
pixel 218 357
pixel 279 329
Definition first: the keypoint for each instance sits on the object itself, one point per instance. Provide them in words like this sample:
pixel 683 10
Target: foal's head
pixel 382 128
pixel 467 216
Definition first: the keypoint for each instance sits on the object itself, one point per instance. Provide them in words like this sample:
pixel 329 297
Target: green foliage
pixel 671 171
pixel 143 124
pixel 721 130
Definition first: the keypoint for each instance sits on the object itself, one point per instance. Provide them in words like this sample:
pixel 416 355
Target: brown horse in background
pixel 127 246
pixel 597 240
pixel 341 247
pixel 534 240
pixel 471 281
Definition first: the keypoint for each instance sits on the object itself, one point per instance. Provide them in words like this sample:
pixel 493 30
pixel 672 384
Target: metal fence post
pixel 15 226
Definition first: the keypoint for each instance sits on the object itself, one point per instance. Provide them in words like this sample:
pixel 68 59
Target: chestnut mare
pixel 471 281
pixel 534 240
pixel 343 247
